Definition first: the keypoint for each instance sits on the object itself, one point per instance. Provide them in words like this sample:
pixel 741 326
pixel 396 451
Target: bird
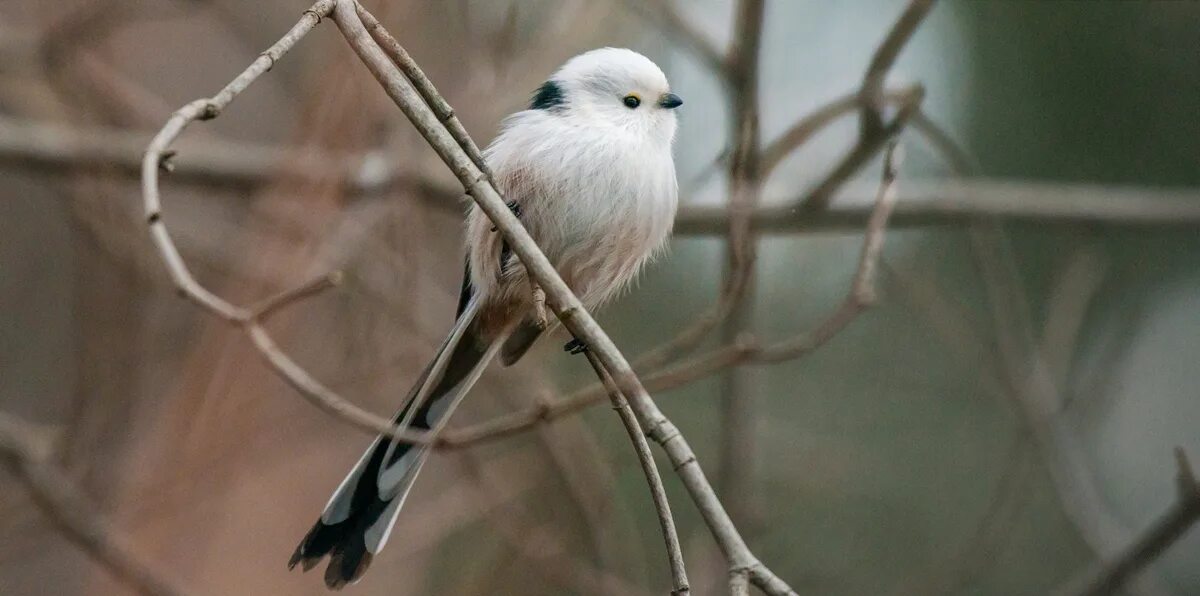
pixel 588 170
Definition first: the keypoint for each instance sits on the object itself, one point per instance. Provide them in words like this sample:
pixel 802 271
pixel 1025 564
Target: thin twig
pixel 1110 576
pixel 676 25
pixel 871 92
pixel 424 86
pixel 268 307
pixel 72 513
pixel 659 494
pixel 819 197
pixel 815 121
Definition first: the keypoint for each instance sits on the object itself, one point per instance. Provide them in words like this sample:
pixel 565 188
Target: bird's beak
pixel 670 101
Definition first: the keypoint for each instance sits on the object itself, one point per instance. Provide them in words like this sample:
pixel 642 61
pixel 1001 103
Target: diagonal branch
pixel 1109 577
pixel 665 521
pixel 71 511
pixel 664 13
pixel 871 92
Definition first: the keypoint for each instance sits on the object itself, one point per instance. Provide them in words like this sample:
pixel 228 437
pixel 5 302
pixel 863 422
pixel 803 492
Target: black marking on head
pixel 548 97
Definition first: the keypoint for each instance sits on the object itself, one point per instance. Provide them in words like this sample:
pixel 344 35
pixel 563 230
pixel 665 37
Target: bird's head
pixel 612 87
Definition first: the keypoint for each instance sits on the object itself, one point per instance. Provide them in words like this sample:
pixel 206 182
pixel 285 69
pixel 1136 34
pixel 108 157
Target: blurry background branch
pixel 1110 576
pixel 26 452
pixel 223 163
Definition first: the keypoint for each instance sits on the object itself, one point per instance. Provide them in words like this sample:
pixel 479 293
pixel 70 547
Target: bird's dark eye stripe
pixel 632 101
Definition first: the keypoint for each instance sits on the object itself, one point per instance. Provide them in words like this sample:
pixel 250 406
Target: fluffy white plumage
pixel 594 180
pixel 589 168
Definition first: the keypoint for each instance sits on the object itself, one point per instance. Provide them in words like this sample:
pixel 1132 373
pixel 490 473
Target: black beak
pixel 670 101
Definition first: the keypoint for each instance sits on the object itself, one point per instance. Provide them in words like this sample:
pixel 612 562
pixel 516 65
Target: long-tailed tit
pixel 588 170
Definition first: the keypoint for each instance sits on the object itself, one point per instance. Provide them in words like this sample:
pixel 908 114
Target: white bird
pixel 588 170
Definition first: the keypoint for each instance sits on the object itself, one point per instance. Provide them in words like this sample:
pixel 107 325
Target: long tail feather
pixel 359 516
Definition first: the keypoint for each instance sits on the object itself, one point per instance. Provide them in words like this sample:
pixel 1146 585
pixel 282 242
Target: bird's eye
pixel 632 101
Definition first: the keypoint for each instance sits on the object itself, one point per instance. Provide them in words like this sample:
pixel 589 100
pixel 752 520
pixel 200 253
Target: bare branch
pixel 871 92
pixel 661 505
pixel 287 297
pixel 862 288
pixel 815 121
pixel 959 202
pixel 226 163
pixel 71 512
pixel 819 197
pixel 424 86
pixel 1109 577
pixel 211 161
pixel 248 318
pixel 676 25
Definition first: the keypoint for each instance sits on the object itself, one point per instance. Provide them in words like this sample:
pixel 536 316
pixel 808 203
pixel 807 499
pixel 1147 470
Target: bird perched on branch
pixel 588 170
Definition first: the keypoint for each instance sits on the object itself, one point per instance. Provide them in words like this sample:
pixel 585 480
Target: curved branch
pixel 248 319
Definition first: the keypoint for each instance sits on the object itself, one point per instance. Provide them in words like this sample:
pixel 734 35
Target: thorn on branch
pixel 165 160
pixel 269 306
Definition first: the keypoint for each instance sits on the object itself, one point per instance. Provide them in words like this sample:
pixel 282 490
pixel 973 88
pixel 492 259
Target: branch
pixel 676 25
pixel 661 505
pixel 211 162
pixel 871 92
pixel 819 197
pixel 873 132
pixel 72 512
pixel 1109 577
pixel 227 163
pixel 558 295
pixel 805 128
pixel 248 319
pixel 429 93
pixel 960 202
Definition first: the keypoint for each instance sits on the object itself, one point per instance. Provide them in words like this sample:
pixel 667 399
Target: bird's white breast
pixel 599 201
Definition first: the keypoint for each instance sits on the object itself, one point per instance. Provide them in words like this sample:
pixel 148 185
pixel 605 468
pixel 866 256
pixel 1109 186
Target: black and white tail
pixel 360 514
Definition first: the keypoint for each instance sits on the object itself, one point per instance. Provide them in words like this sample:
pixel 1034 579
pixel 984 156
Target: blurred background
pixel 1000 421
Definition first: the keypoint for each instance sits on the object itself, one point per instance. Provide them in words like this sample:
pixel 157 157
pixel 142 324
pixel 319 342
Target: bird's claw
pixel 575 347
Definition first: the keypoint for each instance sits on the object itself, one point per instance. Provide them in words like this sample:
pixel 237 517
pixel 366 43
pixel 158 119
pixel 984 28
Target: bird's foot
pixel 575 347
